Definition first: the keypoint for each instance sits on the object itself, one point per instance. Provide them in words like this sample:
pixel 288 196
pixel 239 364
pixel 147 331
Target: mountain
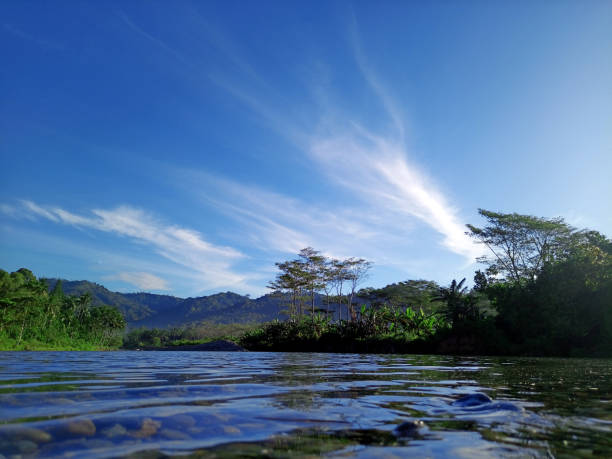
pixel 151 310
pixel 133 308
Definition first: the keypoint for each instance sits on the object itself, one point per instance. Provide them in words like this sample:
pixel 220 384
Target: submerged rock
pixel 148 428
pixel 35 435
pixel 409 428
pixel 82 427
pixel 172 434
pixel 115 431
pixel 482 402
pixel 472 400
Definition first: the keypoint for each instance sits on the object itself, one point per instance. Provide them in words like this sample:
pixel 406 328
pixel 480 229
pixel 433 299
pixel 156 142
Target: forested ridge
pixel 152 310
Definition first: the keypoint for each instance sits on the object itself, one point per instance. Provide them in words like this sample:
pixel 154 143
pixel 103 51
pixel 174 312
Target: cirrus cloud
pixel 183 246
pixel 142 280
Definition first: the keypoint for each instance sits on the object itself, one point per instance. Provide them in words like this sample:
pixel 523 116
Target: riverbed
pixel 227 404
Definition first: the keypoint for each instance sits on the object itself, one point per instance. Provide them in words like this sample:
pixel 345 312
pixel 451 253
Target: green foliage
pixel 547 290
pixel 566 309
pixel 197 334
pixel 459 306
pixel 302 279
pixel 414 293
pixel 520 245
pixel 133 307
pixel 379 329
pixel 30 317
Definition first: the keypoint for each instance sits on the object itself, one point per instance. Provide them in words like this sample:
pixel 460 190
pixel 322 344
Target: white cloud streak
pixel 183 246
pixel 379 173
pixel 373 166
pixel 272 222
pixel 39 211
pixel 142 280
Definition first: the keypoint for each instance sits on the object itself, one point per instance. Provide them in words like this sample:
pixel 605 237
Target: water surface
pixel 215 404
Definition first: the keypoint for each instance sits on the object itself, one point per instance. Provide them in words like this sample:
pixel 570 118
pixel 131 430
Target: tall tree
pixel 356 272
pixel 520 244
pixel 327 275
pixel 313 267
pixel 339 276
pixel 290 280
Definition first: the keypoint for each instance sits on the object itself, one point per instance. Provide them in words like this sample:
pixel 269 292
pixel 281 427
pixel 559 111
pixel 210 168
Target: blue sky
pixel 185 147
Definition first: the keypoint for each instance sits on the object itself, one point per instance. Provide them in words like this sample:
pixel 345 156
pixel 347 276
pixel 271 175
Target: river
pixel 227 404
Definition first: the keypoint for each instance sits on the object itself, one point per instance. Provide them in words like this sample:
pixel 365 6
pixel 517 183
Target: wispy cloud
pixel 277 221
pixel 142 280
pixel 42 42
pixel 39 211
pixel 183 246
pixel 272 222
pixel 379 173
pixel 374 80
pixel 158 42
pixel 373 165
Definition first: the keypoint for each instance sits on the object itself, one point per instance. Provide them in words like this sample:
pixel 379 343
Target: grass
pixel 10 344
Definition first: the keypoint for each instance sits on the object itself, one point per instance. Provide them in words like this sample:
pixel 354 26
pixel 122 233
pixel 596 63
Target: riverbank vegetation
pixel 546 289
pixel 32 318
pixel 204 332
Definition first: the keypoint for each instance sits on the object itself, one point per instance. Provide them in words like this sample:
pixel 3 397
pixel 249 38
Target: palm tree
pixel 457 302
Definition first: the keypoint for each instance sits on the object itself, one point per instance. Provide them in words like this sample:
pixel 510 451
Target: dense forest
pixel 33 318
pixel 546 290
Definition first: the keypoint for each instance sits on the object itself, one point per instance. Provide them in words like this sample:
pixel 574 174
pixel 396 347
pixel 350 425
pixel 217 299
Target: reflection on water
pixel 215 404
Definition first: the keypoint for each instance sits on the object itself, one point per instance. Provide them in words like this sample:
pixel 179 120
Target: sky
pixel 185 147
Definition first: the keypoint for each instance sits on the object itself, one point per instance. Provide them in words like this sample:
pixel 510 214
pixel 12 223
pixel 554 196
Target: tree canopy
pixel 311 273
pixel 31 316
pixel 520 245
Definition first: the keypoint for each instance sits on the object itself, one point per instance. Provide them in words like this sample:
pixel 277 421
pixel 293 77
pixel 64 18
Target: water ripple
pixel 231 404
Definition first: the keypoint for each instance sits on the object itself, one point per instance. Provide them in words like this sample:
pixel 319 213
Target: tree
pixel 356 272
pixel 327 274
pixel 564 307
pixel 30 314
pixel 291 281
pixel 520 244
pixel 339 276
pixel 313 267
pixel 312 273
pixel 480 281
pixel 413 293
pixel 459 305
pixel 106 323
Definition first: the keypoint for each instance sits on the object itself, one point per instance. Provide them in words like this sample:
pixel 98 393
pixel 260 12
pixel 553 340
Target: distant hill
pixel 151 310
pixel 165 311
pixel 133 308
